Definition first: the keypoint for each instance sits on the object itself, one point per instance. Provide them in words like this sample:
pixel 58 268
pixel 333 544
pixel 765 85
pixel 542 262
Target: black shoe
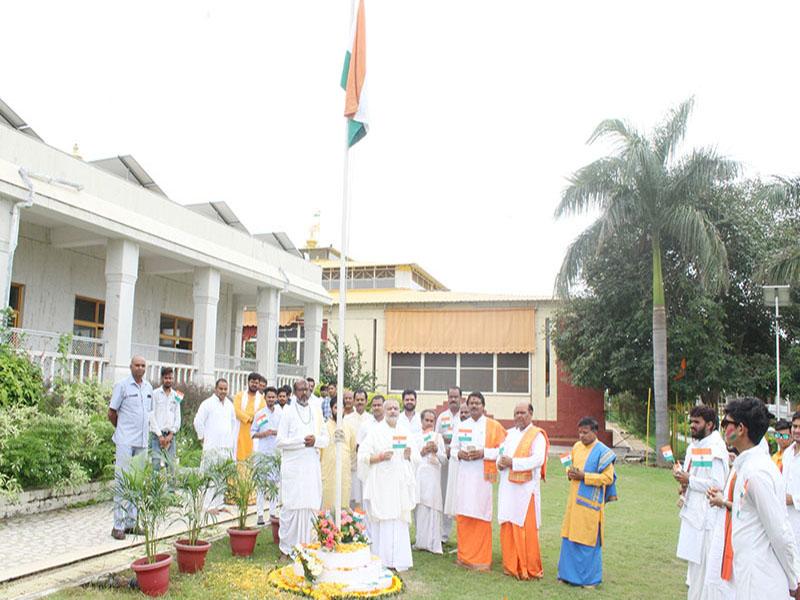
pixel 260 522
pixel 118 534
pixel 134 530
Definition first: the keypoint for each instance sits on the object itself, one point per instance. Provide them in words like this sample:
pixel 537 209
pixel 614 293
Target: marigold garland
pixel 285 579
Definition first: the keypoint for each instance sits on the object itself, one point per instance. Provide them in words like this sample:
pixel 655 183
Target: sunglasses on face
pixel 782 436
pixel 726 422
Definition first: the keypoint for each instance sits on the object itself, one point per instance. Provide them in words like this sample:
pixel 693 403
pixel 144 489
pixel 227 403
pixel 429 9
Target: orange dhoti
pixel 474 543
pixel 520 546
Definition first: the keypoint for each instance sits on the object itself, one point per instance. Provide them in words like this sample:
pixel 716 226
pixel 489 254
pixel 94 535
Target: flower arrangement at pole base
pixel 353 530
pixel 312 566
pixel 285 579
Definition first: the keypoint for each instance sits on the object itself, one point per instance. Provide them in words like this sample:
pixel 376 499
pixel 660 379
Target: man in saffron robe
pixel 328 461
pixel 522 464
pixel 246 406
pixel 591 486
pixel 476 444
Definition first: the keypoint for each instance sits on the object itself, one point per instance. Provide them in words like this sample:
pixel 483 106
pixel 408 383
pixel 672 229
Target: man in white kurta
pixel 429 485
pixel 705 467
pixel 354 421
pixel 791 477
pixel 452 472
pixel 301 433
pixel 445 424
pixel 409 415
pixel 388 455
pixel 216 427
pixel 521 459
pixel 765 558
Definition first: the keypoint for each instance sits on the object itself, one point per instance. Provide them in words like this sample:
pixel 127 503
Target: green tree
pixel 644 189
pixel 783 267
pixel 356 375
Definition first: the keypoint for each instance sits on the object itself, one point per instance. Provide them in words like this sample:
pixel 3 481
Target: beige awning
pixel 464 331
pixel 287 317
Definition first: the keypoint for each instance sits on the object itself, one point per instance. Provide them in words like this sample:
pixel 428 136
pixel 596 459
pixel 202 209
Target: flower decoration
pixel 354 527
pixel 312 566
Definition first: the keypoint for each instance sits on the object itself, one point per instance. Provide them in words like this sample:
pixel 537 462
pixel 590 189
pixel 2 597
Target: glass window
pixel 512 361
pixel 440 360
pixel 406 360
pixel 175 332
pixel 477 360
pixel 438 380
pixel 89 315
pixel 476 379
pixel 512 381
pixel 403 379
pixel 16 299
pixel 85 309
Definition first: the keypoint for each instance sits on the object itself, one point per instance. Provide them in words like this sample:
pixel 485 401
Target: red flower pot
pixel 191 558
pixel 243 541
pixel 153 578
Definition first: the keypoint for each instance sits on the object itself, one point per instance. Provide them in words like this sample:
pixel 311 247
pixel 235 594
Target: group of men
pixel 397 466
pixel 739 507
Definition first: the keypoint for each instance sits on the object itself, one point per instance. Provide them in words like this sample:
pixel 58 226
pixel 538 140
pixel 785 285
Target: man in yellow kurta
pixel 246 405
pixel 592 484
pixel 328 460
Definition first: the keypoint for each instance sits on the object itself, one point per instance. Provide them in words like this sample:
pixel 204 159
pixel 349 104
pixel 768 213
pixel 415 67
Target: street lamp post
pixel 777 296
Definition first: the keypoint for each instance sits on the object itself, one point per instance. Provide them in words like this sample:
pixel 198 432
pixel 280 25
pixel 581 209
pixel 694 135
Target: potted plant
pixel 267 475
pixel 193 484
pixel 241 480
pixel 149 492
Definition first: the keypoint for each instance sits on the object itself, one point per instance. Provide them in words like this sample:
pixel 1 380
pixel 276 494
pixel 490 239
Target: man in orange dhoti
pixel 522 464
pixel 476 445
pixel 246 405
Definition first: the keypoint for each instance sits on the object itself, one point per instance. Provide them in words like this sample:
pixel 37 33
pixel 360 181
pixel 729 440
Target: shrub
pixel 90 396
pixel 20 380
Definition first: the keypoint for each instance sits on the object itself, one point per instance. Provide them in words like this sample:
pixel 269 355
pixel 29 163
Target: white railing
pixel 226 361
pixel 156 357
pixel 237 379
pixel 83 357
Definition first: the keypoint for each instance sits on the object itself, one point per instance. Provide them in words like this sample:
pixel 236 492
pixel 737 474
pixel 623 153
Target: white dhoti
pixel 696 575
pixel 391 542
pixel 296 527
pixel 356 494
pixel 429 529
pixel 447 519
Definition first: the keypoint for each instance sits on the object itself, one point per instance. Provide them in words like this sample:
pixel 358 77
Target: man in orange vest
pixel 476 444
pixel 522 464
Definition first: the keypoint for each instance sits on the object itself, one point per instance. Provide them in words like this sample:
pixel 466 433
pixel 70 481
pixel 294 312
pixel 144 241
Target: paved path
pixel 76 542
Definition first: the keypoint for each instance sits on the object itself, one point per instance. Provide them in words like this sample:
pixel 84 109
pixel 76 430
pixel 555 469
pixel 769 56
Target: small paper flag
pixel 178 396
pixel 666 452
pixel 399 442
pixel 428 437
pixel 566 459
pixel 262 420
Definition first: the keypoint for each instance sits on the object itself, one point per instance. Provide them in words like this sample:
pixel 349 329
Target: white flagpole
pixel 342 309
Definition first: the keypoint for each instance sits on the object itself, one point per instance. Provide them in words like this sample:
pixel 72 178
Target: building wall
pixel 54 276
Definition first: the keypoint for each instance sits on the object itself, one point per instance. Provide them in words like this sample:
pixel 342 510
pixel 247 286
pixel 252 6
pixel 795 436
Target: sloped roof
pixel 129 169
pixel 13 120
pixel 395 296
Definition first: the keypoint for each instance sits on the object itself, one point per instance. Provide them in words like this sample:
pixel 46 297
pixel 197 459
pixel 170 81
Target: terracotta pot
pixel 243 541
pixel 153 578
pixel 191 558
pixel 276 524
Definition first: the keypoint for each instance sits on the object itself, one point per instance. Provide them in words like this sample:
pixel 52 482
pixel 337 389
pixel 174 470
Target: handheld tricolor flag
pixel 428 437
pixel 465 435
pixel 354 80
pixel 262 420
pixel 666 452
pixel 178 396
pixel 702 458
pixel 566 460
pixel 398 442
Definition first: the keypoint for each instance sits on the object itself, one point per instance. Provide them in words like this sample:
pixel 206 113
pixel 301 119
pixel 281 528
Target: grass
pixel 639 556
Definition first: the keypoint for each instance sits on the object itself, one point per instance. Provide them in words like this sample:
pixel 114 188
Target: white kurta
pixel 473 492
pixel 445 425
pixel 215 424
pixel 513 498
pixel 414 423
pixel 429 489
pixel 716 588
pixel 301 476
pixel 390 492
pixel 765 558
pixel 791 478
pixel 354 421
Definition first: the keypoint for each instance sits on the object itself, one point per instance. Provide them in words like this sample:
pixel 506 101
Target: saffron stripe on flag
pixel 353 80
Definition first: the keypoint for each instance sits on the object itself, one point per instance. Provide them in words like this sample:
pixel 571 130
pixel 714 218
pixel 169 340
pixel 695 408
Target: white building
pixel 97 250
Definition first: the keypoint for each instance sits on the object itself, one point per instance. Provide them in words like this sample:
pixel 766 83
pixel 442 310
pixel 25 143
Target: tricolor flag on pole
pixel 354 79
pixel 666 452
pixel 566 460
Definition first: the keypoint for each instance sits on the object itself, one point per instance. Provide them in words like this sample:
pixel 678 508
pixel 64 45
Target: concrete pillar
pixel 6 247
pixel 312 318
pixel 237 348
pixel 268 308
pixel 122 270
pixel 205 292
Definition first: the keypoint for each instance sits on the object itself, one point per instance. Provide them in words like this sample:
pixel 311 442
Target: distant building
pixel 415 333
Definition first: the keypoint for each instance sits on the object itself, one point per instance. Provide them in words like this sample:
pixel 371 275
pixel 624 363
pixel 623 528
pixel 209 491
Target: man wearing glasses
pixel 783 437
pixel 762 547
pixel 705 467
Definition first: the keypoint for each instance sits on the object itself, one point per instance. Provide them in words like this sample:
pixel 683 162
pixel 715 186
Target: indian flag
pixel 465 435
pixel 701 458
pixel 178 396
pixel 428 437
pixel 354 80
pixel 666 452
pixel 262 420
pixel 566 460
pixel 398 442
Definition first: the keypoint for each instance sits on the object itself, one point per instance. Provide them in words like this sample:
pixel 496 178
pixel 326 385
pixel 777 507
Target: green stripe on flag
pixel 702 464
pixel 355 131
pixel 398 446
pixel 345 70
pixel 464 439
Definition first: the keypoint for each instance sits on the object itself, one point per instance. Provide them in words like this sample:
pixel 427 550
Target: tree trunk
pixel 659 354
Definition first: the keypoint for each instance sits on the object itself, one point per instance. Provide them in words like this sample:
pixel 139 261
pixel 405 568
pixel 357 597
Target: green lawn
pixel 639 557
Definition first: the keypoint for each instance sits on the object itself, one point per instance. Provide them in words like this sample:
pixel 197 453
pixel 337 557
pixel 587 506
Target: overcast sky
pixel 479 109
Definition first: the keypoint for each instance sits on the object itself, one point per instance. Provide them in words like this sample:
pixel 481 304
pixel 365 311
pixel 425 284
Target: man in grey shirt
pixel 129 413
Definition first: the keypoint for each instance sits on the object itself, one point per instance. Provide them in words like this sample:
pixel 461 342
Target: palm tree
pixel 786 266
pixel 644 188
